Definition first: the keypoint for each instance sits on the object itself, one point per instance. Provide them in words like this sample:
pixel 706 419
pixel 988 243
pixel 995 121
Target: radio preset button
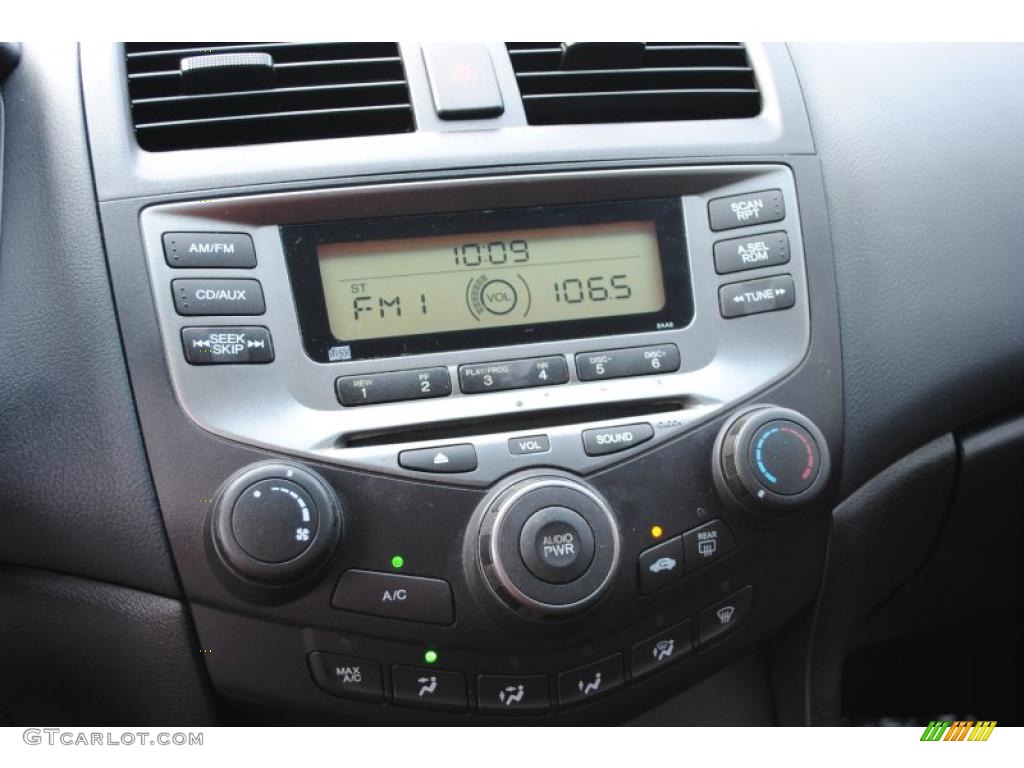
pixel 372 388
pixel 209 249
pixel 633 361
pixel 747 210
pixel 766 294
pixel 742 253
pixel 521 446
pixel 447 459
pixel 513 374
pixel 196 296
pixel 221 345
pixel 598 442
pixel 395 596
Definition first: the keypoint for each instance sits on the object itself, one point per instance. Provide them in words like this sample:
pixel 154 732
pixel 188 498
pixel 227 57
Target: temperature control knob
pixel 276 523
pixel 770 459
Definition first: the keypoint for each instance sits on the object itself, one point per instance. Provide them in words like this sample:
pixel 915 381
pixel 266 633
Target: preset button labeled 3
pixel 396 596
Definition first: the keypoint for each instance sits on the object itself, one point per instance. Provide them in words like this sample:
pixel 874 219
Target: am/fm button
pixel 598 442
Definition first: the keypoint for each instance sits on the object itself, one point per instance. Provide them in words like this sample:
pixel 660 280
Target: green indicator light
pixel 430 657
pixel 397 561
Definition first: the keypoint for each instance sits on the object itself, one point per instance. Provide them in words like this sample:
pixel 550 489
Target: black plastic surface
pixel 923 164
pixel 80 652
pixel 75 490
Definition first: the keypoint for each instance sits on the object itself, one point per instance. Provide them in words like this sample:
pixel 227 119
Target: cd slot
pixel 514 422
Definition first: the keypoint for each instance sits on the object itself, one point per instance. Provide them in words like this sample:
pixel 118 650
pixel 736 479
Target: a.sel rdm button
pixel 513 374
pixel 754 252
pixel 372 388
pixel 598 442
pixel 218 297
pixel 633 361
pixel 209 249
pixel 395 596
pixel 221 345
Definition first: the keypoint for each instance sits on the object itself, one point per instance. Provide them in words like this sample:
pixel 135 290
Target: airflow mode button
pixel 186 250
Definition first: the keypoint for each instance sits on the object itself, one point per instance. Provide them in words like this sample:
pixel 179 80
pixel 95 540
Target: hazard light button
pixel 442 458
pixel 462 81
pixel 220 345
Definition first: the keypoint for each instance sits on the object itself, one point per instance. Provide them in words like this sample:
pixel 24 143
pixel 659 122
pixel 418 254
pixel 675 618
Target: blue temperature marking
pixel 757 455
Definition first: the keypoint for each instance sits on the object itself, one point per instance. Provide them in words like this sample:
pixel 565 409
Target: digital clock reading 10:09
pixel 386 288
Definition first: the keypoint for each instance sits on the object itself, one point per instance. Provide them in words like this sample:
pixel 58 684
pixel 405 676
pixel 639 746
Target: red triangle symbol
pixel 463 73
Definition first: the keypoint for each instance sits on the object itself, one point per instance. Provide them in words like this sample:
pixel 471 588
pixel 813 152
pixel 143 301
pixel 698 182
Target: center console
pixel 537 443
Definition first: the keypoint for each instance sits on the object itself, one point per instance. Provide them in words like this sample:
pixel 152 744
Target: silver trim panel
pixel 290 406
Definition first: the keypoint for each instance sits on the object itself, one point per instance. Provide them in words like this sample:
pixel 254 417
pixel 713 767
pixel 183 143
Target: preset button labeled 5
pixel 396 596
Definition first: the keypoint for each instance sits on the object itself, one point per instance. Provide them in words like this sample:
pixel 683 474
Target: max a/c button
pixel 395 596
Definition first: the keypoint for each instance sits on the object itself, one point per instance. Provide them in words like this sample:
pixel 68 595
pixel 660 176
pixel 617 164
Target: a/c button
pixel 412 598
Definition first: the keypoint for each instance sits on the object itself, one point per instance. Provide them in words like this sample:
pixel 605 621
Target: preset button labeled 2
pixel 396 596
pixel 393 386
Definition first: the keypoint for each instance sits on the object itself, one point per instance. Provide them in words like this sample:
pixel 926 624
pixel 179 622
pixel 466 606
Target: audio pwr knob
pixel 770 459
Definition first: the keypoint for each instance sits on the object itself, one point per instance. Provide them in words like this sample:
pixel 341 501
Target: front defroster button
pixel 598 442
pixel 395 596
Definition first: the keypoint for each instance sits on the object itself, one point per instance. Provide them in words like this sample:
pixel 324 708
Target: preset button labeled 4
pixel 396 596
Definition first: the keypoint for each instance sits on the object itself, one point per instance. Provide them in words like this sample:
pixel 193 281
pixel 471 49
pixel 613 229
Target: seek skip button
pixel 598 442
pixel 412 598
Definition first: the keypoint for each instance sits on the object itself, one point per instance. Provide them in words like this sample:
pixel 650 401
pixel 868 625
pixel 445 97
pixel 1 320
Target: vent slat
pixel 666 81
pixel 319 90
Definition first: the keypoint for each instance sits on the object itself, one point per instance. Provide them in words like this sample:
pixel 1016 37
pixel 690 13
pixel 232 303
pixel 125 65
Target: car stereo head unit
pixel 396 286
pixel 463 329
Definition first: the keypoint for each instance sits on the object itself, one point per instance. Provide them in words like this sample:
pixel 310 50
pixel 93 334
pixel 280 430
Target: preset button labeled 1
pixel 393 386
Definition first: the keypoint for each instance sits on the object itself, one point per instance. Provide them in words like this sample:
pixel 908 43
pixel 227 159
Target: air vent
pixel 633 82
pixel 190 95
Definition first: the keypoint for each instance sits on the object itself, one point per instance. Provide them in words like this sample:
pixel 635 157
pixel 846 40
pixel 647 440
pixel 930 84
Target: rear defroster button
pixel 598 442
